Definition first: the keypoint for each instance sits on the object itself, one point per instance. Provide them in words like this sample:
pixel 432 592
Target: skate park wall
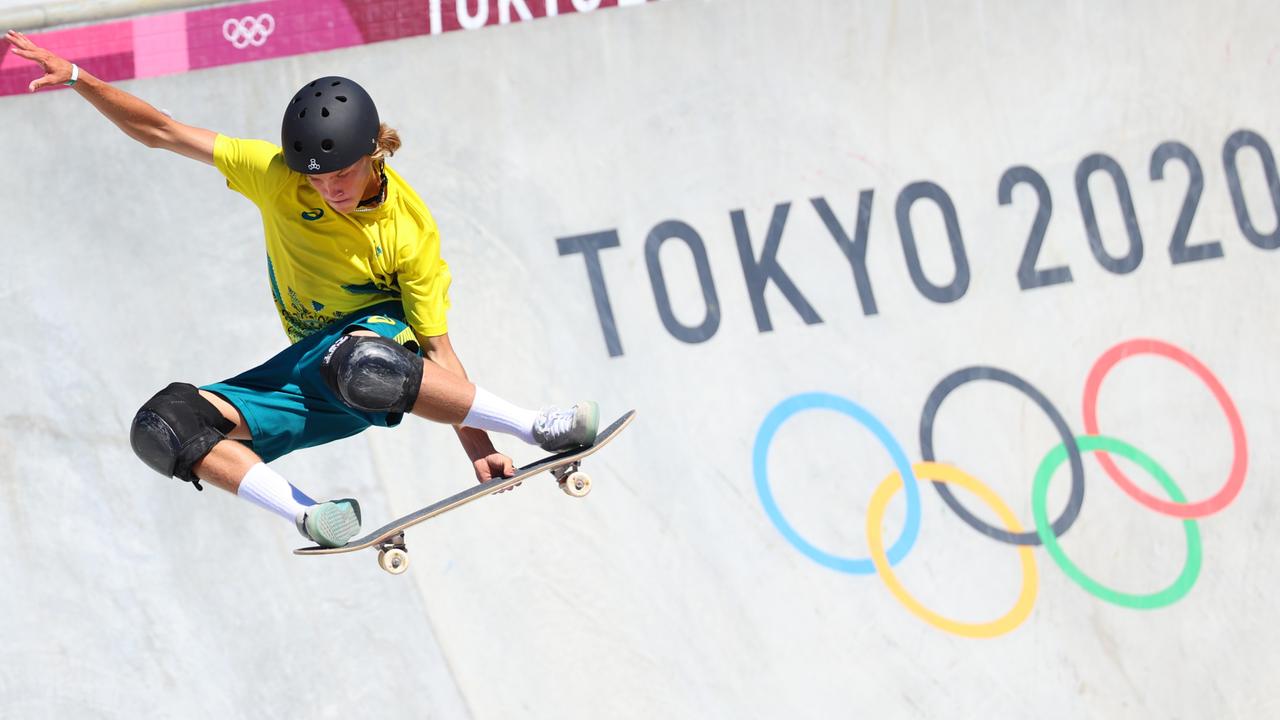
pixel 814 244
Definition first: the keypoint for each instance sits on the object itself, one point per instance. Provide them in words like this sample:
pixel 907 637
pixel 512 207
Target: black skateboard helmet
pixel 330 123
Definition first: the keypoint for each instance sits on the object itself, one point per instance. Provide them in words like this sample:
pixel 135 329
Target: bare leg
pixel 226 465
pixel 443 396
pixel 228 462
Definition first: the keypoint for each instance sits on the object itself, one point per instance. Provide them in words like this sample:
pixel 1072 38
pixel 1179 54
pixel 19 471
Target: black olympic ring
pixel 981 372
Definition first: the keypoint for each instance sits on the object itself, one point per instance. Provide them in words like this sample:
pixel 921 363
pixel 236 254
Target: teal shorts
pixel 285 401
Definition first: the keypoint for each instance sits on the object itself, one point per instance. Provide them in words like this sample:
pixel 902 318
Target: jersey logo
pixel 379 320
pixel 313 214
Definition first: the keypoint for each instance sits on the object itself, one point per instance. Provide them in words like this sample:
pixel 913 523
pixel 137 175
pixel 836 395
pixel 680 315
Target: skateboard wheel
pixel 393 560
pixel 576 484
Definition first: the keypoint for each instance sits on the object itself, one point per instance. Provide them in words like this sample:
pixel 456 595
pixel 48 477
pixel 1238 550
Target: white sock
pixel 267 489
pixel 491 413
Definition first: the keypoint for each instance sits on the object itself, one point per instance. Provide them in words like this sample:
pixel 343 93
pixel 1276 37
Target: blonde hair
pixel 388 142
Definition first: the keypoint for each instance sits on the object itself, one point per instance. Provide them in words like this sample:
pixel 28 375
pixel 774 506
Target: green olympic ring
pixel 1039 509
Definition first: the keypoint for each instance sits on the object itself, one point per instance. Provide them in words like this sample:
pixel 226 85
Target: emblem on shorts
pixel 313 214
pixel 313 165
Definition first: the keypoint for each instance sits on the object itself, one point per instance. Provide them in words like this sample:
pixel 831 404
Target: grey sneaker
pixel 330 524
pixel 559 429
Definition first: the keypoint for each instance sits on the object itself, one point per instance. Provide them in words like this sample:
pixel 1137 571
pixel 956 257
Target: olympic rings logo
pixel 248 30
pixel 1045 532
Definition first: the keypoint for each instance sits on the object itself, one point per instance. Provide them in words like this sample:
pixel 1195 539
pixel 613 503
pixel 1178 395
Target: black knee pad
pixel 175 429
pixel 372 374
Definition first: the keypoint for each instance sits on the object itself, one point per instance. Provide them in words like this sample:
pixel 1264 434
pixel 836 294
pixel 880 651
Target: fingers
pixel 19 41
pixel 483 475
pixel 24 48
pixel 509 470
pixel 494 467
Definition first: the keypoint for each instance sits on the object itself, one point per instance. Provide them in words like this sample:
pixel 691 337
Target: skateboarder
pixel 353 256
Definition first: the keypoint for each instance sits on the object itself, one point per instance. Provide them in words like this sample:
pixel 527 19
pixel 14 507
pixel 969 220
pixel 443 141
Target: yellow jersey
pixel 325 265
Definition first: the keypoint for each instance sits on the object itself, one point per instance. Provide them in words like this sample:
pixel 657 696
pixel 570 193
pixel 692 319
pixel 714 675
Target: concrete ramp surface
pixel 949 327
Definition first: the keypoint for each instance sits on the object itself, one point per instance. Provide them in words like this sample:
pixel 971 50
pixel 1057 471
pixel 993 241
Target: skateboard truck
pixel 572 480
pixel 393 556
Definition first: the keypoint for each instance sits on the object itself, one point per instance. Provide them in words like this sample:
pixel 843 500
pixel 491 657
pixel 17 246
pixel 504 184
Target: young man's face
pixel 344 189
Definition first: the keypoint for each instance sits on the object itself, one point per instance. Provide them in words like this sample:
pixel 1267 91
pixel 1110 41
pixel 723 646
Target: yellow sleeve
pixel 424 284
pixel 253 168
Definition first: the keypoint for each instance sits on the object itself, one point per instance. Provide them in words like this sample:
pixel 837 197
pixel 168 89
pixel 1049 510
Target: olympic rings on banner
pixel 947 474
pixel 1239 461
pixel 248 30
pixel 960 377
pixel 1040 491
pixel 760 460
pixel 1046 533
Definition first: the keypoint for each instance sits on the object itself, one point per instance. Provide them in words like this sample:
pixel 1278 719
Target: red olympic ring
pixel 1239 463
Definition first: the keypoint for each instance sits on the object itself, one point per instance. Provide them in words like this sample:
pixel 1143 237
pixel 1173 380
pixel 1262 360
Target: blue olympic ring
pixel 760 457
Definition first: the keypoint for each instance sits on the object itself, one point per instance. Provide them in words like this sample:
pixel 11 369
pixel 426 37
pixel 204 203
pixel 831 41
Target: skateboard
pixel 565 467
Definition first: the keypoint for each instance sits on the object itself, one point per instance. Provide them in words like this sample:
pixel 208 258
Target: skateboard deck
pixel 565 467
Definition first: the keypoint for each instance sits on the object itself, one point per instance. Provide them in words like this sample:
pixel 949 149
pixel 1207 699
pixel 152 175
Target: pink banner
pixel 182 41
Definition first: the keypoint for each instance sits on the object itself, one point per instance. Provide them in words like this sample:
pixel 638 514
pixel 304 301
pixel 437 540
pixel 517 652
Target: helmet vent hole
pixel 312 85
pixel 324 112
pixel 342 98
pixel 335 83
pixel 297 145
pixel 327 145
pixel 302 114
pixel 319 94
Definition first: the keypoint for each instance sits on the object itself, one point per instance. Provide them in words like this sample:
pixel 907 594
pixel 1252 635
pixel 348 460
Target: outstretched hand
pixel 495 466
pixel 56 70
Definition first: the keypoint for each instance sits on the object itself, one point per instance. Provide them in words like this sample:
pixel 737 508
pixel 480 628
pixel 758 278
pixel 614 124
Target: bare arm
pixel 488 462
pixel 136 118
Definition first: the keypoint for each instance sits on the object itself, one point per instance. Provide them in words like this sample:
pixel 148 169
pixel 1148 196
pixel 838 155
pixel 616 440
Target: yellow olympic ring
pixel 948 474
